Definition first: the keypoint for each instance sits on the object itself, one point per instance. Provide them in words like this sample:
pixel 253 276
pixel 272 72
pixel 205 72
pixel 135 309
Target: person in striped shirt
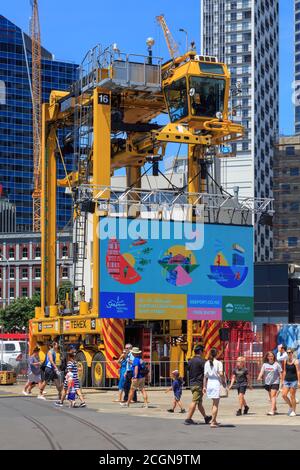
pixel 72 367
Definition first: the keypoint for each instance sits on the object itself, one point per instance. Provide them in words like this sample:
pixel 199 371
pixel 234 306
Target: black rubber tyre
pixel 98 371
pixel 82 369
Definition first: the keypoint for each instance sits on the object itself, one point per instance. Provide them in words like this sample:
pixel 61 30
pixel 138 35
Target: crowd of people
pixel 279 373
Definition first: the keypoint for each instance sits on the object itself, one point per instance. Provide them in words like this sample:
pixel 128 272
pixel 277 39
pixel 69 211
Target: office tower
pixel 16 159
pixel 244 34
pixel 297 65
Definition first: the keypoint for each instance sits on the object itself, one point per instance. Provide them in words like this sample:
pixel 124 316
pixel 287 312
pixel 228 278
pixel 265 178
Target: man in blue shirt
pixel 138 379
pixel 128 373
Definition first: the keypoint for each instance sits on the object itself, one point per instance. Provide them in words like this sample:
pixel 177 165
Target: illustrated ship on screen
pixel 226 275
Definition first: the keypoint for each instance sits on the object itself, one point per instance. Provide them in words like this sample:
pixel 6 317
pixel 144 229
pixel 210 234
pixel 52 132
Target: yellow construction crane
pixel 36 113
pixel 171 43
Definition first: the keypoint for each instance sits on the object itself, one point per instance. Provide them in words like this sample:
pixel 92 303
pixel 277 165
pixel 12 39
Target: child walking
pixel 177 390
pixel 240 376
pixel 71 388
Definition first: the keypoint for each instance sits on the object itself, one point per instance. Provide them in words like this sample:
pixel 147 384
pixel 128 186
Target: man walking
pixel 128 374
pixel 51 371
pixel 138 378
pixel 196 376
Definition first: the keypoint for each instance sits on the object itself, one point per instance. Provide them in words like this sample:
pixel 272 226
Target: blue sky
pixel 71 27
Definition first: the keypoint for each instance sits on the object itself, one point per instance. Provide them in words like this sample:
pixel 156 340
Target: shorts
pixel 138 384
pixel 197 394
pixel 293 384
pixel 71 396
pixel 271 387
pixel 50 375
pixel 242 389
pixel 177 396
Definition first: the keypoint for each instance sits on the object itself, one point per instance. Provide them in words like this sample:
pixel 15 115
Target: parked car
pixel 14 353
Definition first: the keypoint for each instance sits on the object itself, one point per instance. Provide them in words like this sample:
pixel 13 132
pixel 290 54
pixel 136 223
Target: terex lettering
pixel 78 324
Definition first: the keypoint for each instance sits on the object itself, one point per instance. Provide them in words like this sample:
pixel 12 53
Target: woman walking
pixel 271 373
pixel 34 372
pixel 123 364
pixel 291 381
pixel 213 377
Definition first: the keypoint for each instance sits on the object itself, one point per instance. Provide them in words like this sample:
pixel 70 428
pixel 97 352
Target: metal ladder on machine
pixel 83 146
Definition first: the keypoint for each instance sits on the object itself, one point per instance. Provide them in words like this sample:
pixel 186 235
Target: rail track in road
pixel 50 437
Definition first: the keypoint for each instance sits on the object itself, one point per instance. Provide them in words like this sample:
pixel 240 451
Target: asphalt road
pixel 28 423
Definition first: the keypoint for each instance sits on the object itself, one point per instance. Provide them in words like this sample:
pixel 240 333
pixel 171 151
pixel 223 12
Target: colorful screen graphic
pixel 163 277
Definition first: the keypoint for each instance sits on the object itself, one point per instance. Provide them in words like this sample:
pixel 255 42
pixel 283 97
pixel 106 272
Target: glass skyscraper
pixel 16 147
pixel 245 35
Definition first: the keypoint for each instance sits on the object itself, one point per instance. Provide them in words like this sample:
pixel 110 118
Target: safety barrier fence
pixel 159 375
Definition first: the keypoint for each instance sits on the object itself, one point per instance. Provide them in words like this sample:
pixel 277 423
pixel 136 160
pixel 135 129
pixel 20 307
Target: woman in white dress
pixel 213 377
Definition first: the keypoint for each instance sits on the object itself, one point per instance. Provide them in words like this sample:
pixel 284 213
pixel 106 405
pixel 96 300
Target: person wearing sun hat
pixel 138 377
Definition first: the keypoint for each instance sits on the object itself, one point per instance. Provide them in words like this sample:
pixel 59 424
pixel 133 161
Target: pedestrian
pixel 281 354
pixel 123 363
pixel 51 372
pixel 241 377
pixel 34 372
pixel 138 378
pixel 291 381
pixel 271 373
pixel 128 374
pixel 177 383
pixel 213 378
pixel 71 387
pixel 71 366
pixel 196 377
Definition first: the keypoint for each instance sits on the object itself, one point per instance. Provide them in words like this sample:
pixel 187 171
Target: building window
pixel 24 273
pixel 0 273
pixel 292 241
pixel 38 273
pixel 37 290
pixel 12 292
pixel 294 171
pixel 290 151
pixel 65 251
pixel 25 252
pixel 294 207
pixel 11 253
pixel 11 273
pixel 38 252
pixel 24 292
pixel 65 273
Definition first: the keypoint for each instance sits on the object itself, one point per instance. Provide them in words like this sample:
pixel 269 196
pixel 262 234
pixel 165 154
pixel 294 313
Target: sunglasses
pixel 290 352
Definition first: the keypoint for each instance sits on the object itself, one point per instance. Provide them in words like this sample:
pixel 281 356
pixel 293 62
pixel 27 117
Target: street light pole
pixel 186 39
pixel 8 280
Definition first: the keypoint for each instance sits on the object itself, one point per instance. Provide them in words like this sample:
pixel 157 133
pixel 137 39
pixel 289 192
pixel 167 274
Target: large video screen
pixel 152 269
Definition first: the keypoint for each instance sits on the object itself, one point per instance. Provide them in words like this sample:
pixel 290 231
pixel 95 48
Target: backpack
pixel 144 369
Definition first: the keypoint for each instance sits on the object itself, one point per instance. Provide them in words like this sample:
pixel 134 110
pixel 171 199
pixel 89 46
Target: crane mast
pixel 36 113
pixel 171 43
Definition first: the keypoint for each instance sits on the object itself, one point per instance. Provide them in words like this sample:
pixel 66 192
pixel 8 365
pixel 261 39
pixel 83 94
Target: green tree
pixel 19 312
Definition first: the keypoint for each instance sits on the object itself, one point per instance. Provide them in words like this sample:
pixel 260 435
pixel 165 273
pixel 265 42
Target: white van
pixel 13 352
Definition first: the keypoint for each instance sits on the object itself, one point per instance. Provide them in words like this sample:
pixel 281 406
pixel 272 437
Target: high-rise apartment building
pixel 16 159
pixel 245 35
pixel 297 64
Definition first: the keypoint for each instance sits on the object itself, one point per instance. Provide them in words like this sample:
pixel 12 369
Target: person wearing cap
pixel 196 377
pixel 34 372
pixel 138 378
pixel 177 384
pixel 128 374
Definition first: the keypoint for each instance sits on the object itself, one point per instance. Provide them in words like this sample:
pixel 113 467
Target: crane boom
pixel 171 43
pixel 36 113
